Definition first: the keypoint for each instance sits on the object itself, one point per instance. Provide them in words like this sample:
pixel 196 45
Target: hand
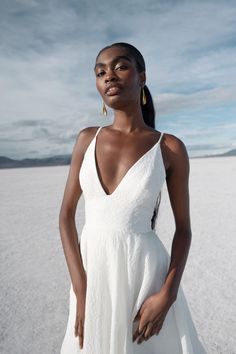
pixel 80 314
pixel 151 315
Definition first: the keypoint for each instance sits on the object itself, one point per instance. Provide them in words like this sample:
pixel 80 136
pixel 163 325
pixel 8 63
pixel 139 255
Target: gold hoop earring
pixel 144 99
pixel 104 110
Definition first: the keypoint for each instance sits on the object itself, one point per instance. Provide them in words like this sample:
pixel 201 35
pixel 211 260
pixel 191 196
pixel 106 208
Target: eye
pixel 100 73
pixel 122 67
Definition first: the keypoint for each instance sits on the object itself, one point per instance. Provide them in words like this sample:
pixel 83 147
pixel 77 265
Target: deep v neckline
pixel 130 169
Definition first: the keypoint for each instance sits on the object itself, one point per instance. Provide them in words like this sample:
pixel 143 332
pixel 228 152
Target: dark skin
pixel 118 147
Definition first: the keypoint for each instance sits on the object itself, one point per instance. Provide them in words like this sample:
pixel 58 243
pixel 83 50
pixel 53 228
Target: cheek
pixel 132 79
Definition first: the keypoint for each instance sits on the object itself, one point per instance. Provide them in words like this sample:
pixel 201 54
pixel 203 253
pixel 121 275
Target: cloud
pixel 170 103
pixel 27 123
pixel 48 50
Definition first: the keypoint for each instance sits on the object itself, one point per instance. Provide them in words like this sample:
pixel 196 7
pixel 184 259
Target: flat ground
pixel 34 277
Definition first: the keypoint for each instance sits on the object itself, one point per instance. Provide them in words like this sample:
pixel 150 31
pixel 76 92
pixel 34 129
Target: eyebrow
pixel 115 59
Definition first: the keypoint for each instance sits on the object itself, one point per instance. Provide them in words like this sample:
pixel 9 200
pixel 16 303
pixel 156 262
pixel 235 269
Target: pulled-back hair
pixel 148 110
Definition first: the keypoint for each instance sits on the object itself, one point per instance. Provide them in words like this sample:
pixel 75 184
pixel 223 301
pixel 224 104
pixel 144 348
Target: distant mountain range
pixel 228 153
pixel 62 160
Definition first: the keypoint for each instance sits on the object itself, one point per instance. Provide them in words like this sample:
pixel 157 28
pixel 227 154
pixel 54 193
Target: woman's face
pixel 117 78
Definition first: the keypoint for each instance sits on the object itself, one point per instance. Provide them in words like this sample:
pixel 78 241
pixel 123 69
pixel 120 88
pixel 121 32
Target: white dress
pixel 125 262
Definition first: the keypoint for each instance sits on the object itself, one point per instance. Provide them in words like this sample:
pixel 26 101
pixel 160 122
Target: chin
pixel 117 104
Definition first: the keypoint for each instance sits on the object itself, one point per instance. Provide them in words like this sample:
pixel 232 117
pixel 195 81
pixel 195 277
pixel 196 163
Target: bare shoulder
pixel 84 137
pixel 173 143
pixel 82 141
pixel 174 151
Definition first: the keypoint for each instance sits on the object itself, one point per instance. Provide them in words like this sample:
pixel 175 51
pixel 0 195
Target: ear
pixel 142 77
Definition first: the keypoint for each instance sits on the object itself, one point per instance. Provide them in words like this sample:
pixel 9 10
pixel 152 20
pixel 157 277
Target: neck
pixel 129 119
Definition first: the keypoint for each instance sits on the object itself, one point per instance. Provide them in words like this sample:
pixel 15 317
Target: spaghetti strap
pixel 97 131
pixel 161 137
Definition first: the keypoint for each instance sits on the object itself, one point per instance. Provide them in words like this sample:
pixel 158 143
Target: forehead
pixel 110 54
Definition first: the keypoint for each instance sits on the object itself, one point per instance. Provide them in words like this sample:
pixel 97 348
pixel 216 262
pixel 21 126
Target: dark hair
pixel 156 211
pixel 148 110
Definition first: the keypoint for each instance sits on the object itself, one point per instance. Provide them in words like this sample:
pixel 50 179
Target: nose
pixel 110 76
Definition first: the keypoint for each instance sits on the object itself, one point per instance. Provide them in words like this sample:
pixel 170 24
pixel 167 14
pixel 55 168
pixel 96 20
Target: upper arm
pixel 73 189
pixel 178 181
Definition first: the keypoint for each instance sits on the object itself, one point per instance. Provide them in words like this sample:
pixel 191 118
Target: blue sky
pixel 47 84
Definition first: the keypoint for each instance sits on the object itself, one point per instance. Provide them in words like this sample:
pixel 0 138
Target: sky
pixel 47 84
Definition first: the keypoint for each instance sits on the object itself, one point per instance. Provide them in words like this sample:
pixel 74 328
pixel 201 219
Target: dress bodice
pixel 130 206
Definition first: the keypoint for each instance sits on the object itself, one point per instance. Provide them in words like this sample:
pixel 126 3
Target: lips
pixel 113 90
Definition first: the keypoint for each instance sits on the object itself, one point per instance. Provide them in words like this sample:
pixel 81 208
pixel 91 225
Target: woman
pixel 125 295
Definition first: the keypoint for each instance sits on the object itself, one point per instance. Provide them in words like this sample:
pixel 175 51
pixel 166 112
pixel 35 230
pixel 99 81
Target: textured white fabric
pixel 125 262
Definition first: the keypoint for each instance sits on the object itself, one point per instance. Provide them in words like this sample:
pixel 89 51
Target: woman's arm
pixel 153 311
pixel 67 226
pixel 177 183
